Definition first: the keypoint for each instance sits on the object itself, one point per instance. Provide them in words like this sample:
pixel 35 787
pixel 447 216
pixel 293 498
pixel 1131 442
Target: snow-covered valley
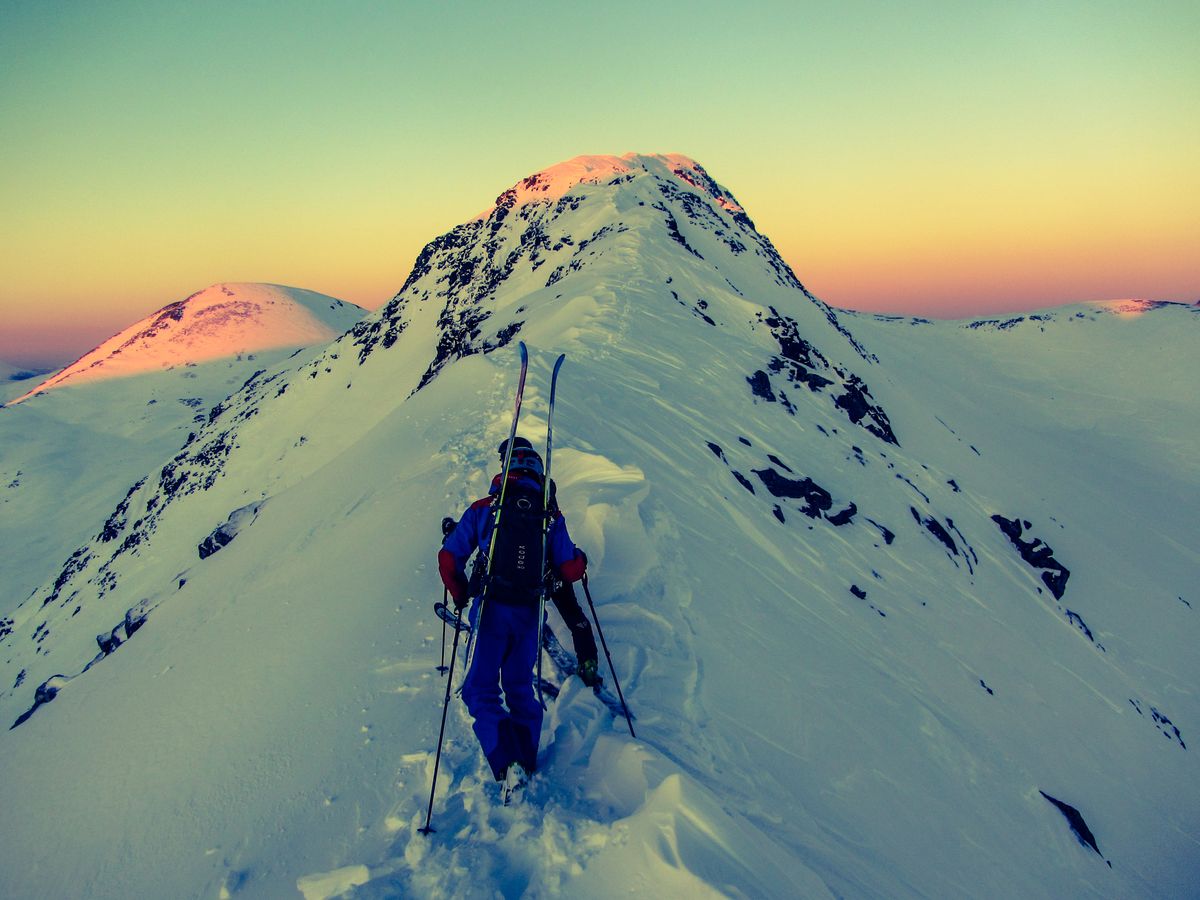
pixel 879 591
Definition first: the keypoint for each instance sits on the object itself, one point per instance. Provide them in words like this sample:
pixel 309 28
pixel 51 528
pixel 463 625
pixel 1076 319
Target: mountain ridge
pixel 881 696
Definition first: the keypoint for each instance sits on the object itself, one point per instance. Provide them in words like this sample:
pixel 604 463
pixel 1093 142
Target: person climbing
pixel 506 621
pixel 562 595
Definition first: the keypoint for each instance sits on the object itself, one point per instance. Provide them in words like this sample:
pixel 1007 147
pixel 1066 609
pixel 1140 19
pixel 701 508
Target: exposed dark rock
pixel 505 335
pixel 801 363
pixel 1080 828
pixel 760 386
pixel 845 517
pixel 775 459
pixel 970 557
pixel 1036 553
pixel 108 642
pixel 743 480
pixel 858 592
pixel 214 542
pixel 1164 725
pixel 46 691
pixel 76 563
pixel 856 402
pixel 934 527
pixel 229 529
pixel 1077 620
pixel 792 347
pixel 816 498
pixel 888 534
pixel 997 324
pixel 673 230
pixel 717 451
pixel 908 481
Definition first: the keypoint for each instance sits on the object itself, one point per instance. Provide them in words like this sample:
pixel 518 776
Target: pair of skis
pixel 497 521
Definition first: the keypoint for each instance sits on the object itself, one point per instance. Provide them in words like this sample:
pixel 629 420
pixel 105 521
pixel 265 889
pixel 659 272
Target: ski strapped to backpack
pixel 517 563
pixel 517 559
pixel 497 511
pixel 546 527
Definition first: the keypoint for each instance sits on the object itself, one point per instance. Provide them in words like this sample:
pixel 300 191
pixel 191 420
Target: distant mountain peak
pixel 223 320
pixel 1131 306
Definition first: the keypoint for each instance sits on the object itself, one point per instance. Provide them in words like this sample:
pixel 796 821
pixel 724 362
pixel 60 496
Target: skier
pixel 508 639
pixel 562 594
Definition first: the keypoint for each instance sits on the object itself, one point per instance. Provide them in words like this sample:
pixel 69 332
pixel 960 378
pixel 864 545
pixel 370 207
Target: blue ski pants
pixel 506 649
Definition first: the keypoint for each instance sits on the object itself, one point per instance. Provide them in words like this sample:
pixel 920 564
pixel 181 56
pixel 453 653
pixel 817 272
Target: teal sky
pixel 933 158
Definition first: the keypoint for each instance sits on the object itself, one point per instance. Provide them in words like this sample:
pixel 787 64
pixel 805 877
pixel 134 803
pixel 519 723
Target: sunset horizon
pixel 946 163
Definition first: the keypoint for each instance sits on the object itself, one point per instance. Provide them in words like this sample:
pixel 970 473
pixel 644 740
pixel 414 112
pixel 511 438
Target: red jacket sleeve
pixel 573 569
pixel 454 580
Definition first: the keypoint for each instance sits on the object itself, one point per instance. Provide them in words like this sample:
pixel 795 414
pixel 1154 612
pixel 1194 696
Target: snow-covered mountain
pixel 903 609
pixel 68 456
pixel 223 321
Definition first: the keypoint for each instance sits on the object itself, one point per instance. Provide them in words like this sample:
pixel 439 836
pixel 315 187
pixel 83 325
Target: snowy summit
pixel 901 609
pixel 219 322
pixel 554 182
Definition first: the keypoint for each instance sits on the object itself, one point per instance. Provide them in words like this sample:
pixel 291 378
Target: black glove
pixel 460 593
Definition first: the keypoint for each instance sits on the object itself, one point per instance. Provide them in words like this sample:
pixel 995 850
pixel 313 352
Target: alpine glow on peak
pixel 221 321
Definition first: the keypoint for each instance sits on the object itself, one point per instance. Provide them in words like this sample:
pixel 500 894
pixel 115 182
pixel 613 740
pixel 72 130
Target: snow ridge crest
pixel 556 181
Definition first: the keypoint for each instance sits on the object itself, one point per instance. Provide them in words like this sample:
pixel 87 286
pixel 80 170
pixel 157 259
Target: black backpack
pixel 515 577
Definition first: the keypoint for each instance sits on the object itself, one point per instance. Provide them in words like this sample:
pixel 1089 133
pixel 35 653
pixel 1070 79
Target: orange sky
pixel 933 159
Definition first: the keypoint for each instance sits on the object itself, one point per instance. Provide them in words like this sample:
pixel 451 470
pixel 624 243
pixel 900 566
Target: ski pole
pixel 607 655
pixel 445 597
pixel 448 526
pixel 428 829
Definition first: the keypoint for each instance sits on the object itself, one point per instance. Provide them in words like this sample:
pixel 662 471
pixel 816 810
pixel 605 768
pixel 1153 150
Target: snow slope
pixel 222 321
pixel 68 456
pixel 849 678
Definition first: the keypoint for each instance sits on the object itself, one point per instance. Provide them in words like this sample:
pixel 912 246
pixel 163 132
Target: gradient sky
pixel 941 159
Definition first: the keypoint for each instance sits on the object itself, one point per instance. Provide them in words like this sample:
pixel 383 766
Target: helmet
pixel 525 459
pixel 518 443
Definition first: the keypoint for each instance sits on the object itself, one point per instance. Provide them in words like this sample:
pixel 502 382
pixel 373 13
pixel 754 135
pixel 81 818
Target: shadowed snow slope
pixel 876 591
pixel 15 380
